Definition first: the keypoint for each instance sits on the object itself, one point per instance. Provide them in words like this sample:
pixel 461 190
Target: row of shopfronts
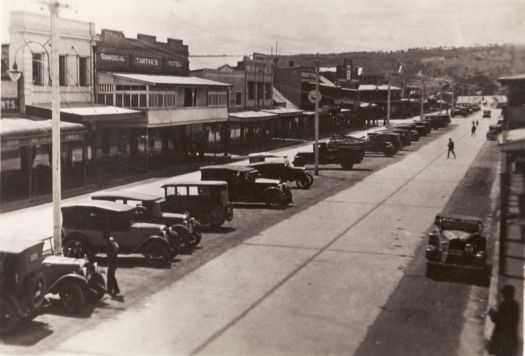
pixel 131 105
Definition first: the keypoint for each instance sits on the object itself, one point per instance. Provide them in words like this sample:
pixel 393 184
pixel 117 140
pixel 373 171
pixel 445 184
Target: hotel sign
pixel 113 58
pixel 146 61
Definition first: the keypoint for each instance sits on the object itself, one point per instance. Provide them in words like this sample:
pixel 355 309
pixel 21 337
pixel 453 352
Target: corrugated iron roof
pixel 377 87
pixel 13 128
pixel 168 79
pixel 278 97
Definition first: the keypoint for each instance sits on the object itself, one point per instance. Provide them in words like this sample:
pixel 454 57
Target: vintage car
pixel 83 225
pixel 184 232
pixel 387 136
pixel 27 276
pixel 244 185
pixel 438 120
pixel 424 127
pixel 457 242
pixel 372 144
pixel 486 114
pixel 494 131
pixel 207 201
pixel 346 156
pixel 265 156
pixel 414 134
pixel 279 168
pixel 460 111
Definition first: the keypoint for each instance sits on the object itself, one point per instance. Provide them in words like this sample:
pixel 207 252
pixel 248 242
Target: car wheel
pixel 72 297
pixel 195 239
pixel 156 253
pixel 35 290
pixel 205 220
pixel 9 317
pixel 388 152
pixel 75 247
pixel 96 287
pixel 303 182
pixel 217 222
pixel 274 200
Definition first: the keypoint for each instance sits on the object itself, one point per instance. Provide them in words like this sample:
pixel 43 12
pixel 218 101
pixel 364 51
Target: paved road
pixel 321 285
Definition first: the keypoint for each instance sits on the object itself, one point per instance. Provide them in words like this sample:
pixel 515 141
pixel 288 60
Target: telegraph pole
pixel 55 93
pixel 388 105
pixel 423 101
pixel 316 122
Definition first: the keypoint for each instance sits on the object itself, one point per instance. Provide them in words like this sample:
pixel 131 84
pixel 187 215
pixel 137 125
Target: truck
pixel 329 153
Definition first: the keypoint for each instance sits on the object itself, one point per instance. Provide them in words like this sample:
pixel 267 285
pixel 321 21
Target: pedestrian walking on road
pixel 112 253
pixel 504 340
pixel 473 131
pixel 451 148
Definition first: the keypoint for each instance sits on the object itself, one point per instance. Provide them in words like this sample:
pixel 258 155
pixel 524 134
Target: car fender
pixel 152 238
pixel 76 278
pixel 270 190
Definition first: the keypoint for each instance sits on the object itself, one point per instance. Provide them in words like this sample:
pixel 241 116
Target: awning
pixel 280 98
pixel 85 112
pixel 245 116
pixel 168 79
pixel 513 140
pixel 16 132
pixel 284 112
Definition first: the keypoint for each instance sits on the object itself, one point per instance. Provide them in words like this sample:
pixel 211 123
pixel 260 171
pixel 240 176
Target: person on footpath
pixel 504 340
pixel 473 131
pixel 451 148
pixel 112 253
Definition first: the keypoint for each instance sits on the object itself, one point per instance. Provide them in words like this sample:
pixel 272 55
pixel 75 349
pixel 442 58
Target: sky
pixel 239 27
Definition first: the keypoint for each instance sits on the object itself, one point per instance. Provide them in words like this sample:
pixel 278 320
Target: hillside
pixel 477 65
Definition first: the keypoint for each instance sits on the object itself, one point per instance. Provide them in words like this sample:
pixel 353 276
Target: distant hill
pixel 477 65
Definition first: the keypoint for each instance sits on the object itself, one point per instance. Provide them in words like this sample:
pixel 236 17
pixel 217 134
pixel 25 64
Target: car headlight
pixel 469 248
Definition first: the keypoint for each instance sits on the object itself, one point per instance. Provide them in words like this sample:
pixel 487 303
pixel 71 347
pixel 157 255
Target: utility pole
pixel 316 122
pixel 423 101
pixel 387 123
pixel 55 93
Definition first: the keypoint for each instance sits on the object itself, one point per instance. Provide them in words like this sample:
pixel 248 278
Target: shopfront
pixel 26 158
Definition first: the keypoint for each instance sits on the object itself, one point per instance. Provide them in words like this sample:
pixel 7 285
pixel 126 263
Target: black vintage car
pixel 460 111
pixel 185 234
pixel 423 127
pixel 374 143
pixel 438 120
pixel 346 156
pixel 387 136
pixel 207 201
pixel 456 242
pixel 404 134
pixel 493 132
pixel 83 226
pixel 276 168
pixel 414 134
pixel 244 185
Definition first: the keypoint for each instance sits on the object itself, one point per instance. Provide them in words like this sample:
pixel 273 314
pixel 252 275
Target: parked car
pixel 83 225
pixel 494 131
pixel 457 242
pixel 244 185
pixel 372 144
pixel 279 168
pixel 423 127
pixel 387 136
pixel 438 120
pixel 414 134
pixel 207 201
pixel 487 114
pixel 404 134
pixel 184 232
pixel 26 276
pixel 265 156
pixel 331 154
pixel 460 111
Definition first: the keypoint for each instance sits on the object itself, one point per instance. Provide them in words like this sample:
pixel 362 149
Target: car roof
pixel 265 154
pixel 230 167
pixel 122 194
pixel 101 204
pixel 196 182
pixel 458 217
pixel 270 162
pixel 17 245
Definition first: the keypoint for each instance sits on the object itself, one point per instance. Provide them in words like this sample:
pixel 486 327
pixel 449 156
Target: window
pixel 127 100
pixel 217 99
pixel 83 71
pixel 62 70
pixel 238 98
pixel 134 100
pixel 268 90
pixel 37 69
pixel 193 190
pixel 181 191
pixel 119 100
pixel 142 100
pixel 251 90
pixel 188 97
pixel 260 89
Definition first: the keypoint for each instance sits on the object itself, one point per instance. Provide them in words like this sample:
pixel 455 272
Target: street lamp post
pixel 387 123
pixel 316 119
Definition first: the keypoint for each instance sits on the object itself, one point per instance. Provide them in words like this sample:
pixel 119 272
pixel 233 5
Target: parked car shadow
pixel 254 206
pixel 54 307
pixel 463 276
pixel 131 261
pixel 28 334
pixel 220 230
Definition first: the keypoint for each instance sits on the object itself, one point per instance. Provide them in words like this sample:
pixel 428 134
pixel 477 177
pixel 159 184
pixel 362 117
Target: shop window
pixel 83 70
pixel 119 100
pixel 142 100
pixel 101 98
pixel 238 98
pixel 251 90
pixel 37 69
pixel 134 100
pixel 127 100
pixel 62 70
pixel 109 99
